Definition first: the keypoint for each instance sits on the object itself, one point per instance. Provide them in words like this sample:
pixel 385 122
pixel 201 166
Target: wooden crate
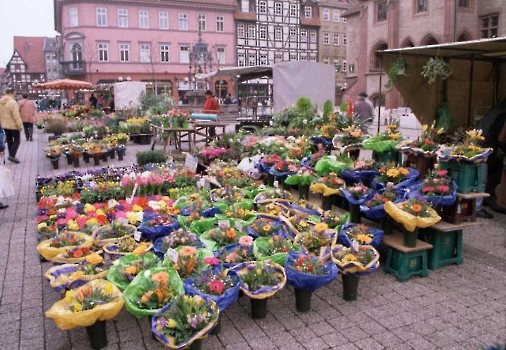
pixel 422 164
pixel 464 208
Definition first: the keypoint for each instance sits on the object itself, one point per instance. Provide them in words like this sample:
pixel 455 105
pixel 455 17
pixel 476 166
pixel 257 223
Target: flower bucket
pixel 104 157
pixel 270 180
pixel 120 155
pixel 69 159
pixel 86 157
pixel 410 238
pixel 327 202
pixel 55 163
pixel 97 333
pixel 76 162
pixel 387 225
pixel 96 160
pixel 303 299
pixel 303 192
pixel 112 153
pixel 258 308
pixel 350 287
pixel 355 213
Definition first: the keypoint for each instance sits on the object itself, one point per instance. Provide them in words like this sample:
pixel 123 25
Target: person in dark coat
pixel 2 149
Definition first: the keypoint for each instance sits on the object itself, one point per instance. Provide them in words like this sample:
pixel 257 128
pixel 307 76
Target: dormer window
pixel 308 12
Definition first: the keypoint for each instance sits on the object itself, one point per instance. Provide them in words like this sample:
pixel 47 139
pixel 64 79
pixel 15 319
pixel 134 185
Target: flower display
pixel 381 198
pixel 265 227
pixel 467 150
pixel 412 213
pixel 317 237
pixel 426 144
pixel 222 237
pixel 110 233
pixel 358 191
pixel 392 174
pixel 236 253
pixel 308 265
pixel 260 277
pixel 333 218
pixel 63 242
pixel 349 136
pixel 177 238
pixel 126 245
pixel 359 260
pixel 285 166
pixel 53 152
pixel 124 269
pixel 359 233
pixel 228 194
pixel 437 183
pixel 214 283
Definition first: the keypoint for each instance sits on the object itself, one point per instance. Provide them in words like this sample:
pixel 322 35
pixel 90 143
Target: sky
pixel 23 18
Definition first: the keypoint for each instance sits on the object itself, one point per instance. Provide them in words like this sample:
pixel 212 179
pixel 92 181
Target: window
pixel 262 7
pixel 303 57
pixel 326 15
pixel 263 60
pixel 345 66
pixel 184 54
pixel 220 23
pixel 163 20
pixel 220 55
pixel 293 56
pixel 381 11
pixel 464 3
pixel 278 58
pixel 351 68
pixel 325 61
pixel 201 21
pixel 252 59
pixel 278 11
pixel 326 38
pixel 421 6
pixel 336 65
pixel 251 31
pixel 240 30
pixel 489 26
pixel 335 16
pixel 145 53
pixel 263 32
pixel 312 36
pixel 103 52
pixel 241 60
pixel 293 34
pixel 308 12
pixel 164 53
pixel 124 52
pixel 303 35
pixel 143 19
pixel 183 21
pixel 123 18
pixel 345 39
pixel 278 33
pixel 336 39
pixel 345 20
pixel 73 17
pixel 375 62
pixel 293 9
pixel 101 17
pixel 76 52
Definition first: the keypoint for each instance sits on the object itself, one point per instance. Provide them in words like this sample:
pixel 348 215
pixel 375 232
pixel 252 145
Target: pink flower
pixel 390 185
pixel 232 257
pixel 211 261
pixel 443 188
pixel 216 286
pixel 246 241
pixel 427 189
pixel 441 173
pixel 360 164
pixel 120 215
pixel 81 222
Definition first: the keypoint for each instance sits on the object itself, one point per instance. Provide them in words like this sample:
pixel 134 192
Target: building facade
pixel 26 66
pixel 387 24
pixel 145 40
pixel 52 58
pixel 333 38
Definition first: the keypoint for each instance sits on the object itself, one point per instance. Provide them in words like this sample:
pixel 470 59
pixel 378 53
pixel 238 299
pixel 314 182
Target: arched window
pixel 464 37
pixel 375 63
pixel 221 88
pixel 378 99
pixel 408 43
pixel 429 40
pixel 76 52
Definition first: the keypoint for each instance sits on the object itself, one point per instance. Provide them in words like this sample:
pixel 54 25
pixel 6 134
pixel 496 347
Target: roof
pixel 341 4
pixel 352 11
pixel 486 49
pixel 31 50
pixel 2 70
pixel 50 45
pixel 313 21
pixel 252 16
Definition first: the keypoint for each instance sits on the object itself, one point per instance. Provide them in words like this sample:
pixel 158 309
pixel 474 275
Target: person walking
pixel 93 101
pixel 364 110
pixel 2 149
pixel 10 120
pixel 27 113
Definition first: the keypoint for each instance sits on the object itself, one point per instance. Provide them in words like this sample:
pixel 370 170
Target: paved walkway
pixel 456 307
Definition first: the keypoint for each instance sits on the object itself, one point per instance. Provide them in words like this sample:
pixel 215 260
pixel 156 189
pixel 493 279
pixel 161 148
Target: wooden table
pixel 176 134
pixel 202 130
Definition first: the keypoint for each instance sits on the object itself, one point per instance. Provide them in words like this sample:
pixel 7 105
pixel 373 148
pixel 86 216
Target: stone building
pixel 388 24
pixel 52 58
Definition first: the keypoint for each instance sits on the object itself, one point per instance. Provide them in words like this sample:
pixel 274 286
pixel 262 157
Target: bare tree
pixel 89 56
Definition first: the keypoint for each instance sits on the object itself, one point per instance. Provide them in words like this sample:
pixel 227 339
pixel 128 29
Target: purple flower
pixel 251 267
pixel 163 322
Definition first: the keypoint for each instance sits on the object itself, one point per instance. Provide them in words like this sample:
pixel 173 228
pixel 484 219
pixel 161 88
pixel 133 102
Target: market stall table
pixel 202 129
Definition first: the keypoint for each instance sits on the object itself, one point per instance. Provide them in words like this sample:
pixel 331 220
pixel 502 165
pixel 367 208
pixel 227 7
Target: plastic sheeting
pixel 126 94
pixel 303 280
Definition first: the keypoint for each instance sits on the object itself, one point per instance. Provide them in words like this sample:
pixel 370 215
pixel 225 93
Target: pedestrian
pixel 228 99
pixel 211 106
pixel 254 105
pixel 364 111
pixel 2 149
pixel 93 101
pixel 27 113
pixel 100 102
pixel 11 122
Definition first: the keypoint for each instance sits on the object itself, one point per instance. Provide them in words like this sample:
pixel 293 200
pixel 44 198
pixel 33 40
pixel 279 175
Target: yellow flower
pixel 78 307
pixel 404 171
pixel 89 208
pixel 137 208
pixel 364 238
pixel 259 272
pixel 393 173
pixel 72 226
pixel 132 270
pixel 140 249
pixel 393 136
pixel 425 127
pixel 76 275
pixel 321 227
pixel 41 226
pixel 349 257
pixel 108 288
pixel 171 323
pixel 69 296
pixel 92 221
pixel 94 259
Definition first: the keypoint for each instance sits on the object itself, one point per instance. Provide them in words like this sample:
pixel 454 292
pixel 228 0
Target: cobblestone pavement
pixel 456 307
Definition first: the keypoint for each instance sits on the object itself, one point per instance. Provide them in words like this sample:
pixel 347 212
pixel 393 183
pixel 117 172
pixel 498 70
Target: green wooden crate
pixel 467 176
pixel 406 265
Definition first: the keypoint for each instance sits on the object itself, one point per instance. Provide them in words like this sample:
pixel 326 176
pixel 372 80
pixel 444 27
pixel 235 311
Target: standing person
pixel 93 101
pixel 27 113
pixel 364 110
pixel 254 105
pixel 100 102
pixel 11 122
pixel 2 149
pixel 211 107
pixel 228 99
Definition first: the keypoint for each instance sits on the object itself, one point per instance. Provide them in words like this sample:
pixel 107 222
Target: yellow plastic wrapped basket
pixel 410 222
pixel 49 253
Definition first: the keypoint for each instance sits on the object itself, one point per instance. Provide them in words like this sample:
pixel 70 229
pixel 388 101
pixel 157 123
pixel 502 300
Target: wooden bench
pixel 447 241
pixel 404 262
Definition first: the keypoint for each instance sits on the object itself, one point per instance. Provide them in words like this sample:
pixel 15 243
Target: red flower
pixel 216 286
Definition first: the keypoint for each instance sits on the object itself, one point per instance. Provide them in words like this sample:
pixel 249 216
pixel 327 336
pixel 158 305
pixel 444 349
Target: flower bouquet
pixel 177 238
pixel 306 274
pixel 327 185
pixel 362 234
pixel 353 262
pixel 302 208
pixel 401 177
pixel 259 281
pixel 349 139
pixel 437 188
pixel 228 194
pixel 151 290
pixel 272 209
pixel 468 151
pixel 188 260
pixel 303 179
pixel 126 245
pixel 238 212
pixel 374 207
pixel 426 145
pixel 63 242
pixel 185 321
pixel 112 232
pixel 283 168
pixel 196 219
pixel 88 306
pixel 70 276
pixel 360 171
pixel 356 196
pixel 124 269
pixel 413 213
pixel 159 226
pixel 317 240
pixel 75 255
pixel 273 195
pixel 332 218
pixel 236 253
pixel 265 225
pixel 53 153
pixel 384 141
pixel 267 162
pixel 218 237
pixel 273 248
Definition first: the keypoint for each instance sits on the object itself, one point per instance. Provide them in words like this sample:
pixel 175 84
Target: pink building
pixel 146 40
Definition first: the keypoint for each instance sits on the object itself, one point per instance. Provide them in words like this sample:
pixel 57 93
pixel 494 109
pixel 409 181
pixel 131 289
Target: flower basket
pixel 265 225
pixel 175 239
pixel 61 277
pixel 162 320
pixel 347 266
pixel 273 248
pixel 410 221
pixel 124 270
pixel 75 255
pixel 63 314
pixel 159 226
pixel 305 280
pixel 374 235
pixel 167 281
pixel 115 231
pixel 122 248
pixel 49 252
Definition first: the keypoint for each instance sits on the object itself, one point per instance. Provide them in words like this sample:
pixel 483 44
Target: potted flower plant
pixel 124 270
pixel 356 196
pixel 274 248
pixel 328 186
pixel 111 233
pixel 63 242
pixel 434 68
